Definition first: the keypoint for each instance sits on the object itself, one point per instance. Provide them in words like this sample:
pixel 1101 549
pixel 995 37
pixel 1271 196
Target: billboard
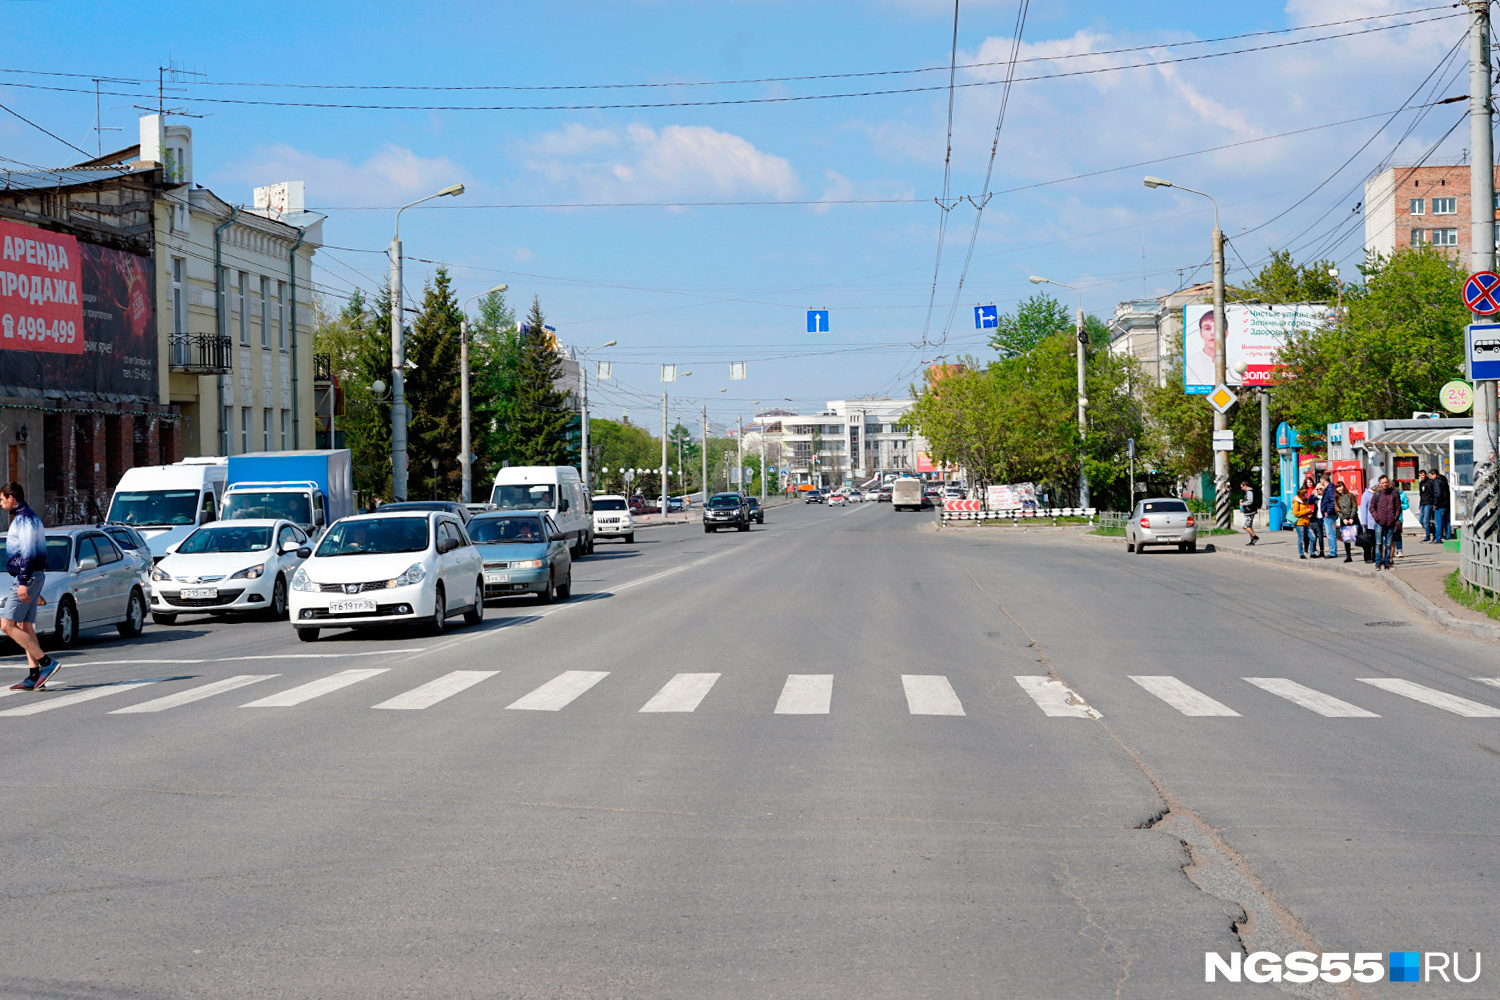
pixel 77 320
pixel 1256 334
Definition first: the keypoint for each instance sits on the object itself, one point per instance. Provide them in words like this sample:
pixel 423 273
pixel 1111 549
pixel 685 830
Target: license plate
pixel 199 593
pixel 1166 538
pixel 497 578
pixel 345 607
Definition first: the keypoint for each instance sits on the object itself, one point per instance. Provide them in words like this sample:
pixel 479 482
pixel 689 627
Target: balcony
pixel 202 353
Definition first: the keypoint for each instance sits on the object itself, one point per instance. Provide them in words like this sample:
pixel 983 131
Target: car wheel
pixel 745 526
pixel 1192 546
pixel 66 631
pixel 547 595
pixel 630 538
pixel 475 615
pixel 1129 546
pixel 591 546
pixel 308 634
pixel 162 619
pixel 277 610
pixel 135 616
pixel 1182 546
pixel 1140 548
pixel 565 589
pixel 439 612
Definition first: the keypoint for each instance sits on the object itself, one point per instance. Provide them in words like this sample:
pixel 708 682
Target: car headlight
pixel 251 573
pixel 160 575
pixel 301 581
pixel 414 574
pixel 527 564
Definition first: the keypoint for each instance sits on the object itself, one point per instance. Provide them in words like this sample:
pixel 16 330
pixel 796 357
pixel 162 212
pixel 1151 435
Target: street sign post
pixel 1224 440
pixel 817 321
pixel 1482 351
pixel 1482 293
pixel 986 317
pixel 1456 396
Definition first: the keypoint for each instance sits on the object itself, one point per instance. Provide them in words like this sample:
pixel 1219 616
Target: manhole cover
pixel 1386 624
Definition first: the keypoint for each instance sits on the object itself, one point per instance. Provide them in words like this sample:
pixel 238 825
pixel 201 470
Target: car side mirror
pixel 305 552
pixel 291 546
pixel 562 506
pixel 173 547
pixel 445 545
pixel 317 517
pixel 87 564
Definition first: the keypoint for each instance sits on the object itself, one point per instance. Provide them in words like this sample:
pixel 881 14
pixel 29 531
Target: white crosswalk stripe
pixel 1427 696
pixel 805 694
pixel 682 693
pixel 46 704
pixel 930 694
pixel 559 692
pixel 1055 698
pixel 1187 700
pixel 316 689
pixel 1325 705
pixel 194 694
pixel 436 690
pixel 1491 681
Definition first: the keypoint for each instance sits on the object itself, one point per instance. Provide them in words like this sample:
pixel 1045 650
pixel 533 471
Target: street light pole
pixel 583 425
pixel 465 459
pixel 1221 332
pixel 1083 402
pixel 705 443
pixel 398 352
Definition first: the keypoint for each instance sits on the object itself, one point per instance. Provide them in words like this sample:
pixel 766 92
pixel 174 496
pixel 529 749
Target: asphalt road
pixel 558 804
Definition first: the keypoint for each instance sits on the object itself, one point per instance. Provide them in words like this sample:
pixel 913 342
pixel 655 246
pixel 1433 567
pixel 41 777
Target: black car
pixel 757 514
pixel 458 510
pixel 813 496
pixel 726 510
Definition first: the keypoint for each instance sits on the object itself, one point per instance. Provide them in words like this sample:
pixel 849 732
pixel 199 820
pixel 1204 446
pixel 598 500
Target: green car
pixel 524 553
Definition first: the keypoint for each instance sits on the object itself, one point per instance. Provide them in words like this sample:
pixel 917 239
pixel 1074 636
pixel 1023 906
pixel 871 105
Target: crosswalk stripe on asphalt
pixel 436 690
pixel 316 689
pixel 559 691
pixel 194 694
pixel 1491 681
pixel 1427 696
pixel 1187 700
pixel 46 704
pixel 805 694
pixel 1325 705
pixel 930 694
pixel 683 693
pixel 1055 698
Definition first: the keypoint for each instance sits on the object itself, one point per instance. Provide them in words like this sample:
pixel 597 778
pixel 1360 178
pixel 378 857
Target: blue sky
pixel 704 286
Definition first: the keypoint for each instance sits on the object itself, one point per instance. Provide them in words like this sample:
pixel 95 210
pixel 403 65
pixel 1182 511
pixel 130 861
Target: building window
pixel 179 295
pixel 1418 206
pixel 1445 237
pixel 239 307
pixel 1445 206
pixel 265 424
pixel 1418 237
pixel 244 430
pixel 281 315
pixel 286 420
pixel 265 313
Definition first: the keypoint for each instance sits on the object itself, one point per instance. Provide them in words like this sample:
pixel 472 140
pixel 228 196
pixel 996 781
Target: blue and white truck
pixel 312 489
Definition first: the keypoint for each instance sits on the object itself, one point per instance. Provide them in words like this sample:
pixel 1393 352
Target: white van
pixel 556 489
pixel 166 502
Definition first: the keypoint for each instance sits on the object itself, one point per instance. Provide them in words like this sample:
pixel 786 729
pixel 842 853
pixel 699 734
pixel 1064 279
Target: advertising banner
pixel 86 326
pixel 1011 496
pixel 1256 334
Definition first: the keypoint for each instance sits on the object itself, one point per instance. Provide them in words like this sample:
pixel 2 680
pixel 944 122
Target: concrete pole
pixel 1265 450
pixel 739 446
pixel 663 454
pixel 583 425
pixel 1083 411
pixel 763 474
pixel 1221 420
pixel 1482 239
pixel 398 381
pixel 704 454
pixel 463 392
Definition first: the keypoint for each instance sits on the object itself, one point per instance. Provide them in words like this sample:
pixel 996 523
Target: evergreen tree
pixel 494 366
pixel 358 344
pixel 538 424
pixel 432 391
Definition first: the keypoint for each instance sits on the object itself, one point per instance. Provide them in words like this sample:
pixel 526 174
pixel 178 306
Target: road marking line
pixel 62 701
pixel 315 689
pixel 194 694
pixel 1491 681
pixel 560 691
pixel 805 694
pixel 930 694
pixel 237 659
pixel 1187 700
pixel 682 693
pixel 436 690
pixel 1325 705
pixel 1055 698
pixel 1428 696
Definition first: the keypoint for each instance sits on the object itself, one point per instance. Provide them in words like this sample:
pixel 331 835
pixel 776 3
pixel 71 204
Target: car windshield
pixel 227 539
pixel 723 503
pixel 155 507
pixel 608 504
pixel 1164 507
pixel 294 507
pixel 523 497
pixel 503 530
pixel 370 536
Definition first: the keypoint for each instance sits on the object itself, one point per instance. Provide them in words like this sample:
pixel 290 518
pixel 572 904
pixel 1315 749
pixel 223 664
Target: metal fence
pixel 202 353
pixel 1479 562
pixel 1112 519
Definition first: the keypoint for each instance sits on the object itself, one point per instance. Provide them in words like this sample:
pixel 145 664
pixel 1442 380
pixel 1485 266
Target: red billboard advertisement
pixel 41 305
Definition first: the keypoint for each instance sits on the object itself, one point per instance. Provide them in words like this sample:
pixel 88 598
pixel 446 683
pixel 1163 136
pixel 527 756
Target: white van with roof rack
pixel 556 489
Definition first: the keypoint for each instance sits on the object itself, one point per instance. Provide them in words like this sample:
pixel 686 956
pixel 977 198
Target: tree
pixel 358 343
pixel 1283 280
pixel 494 364
pixel 536 426
pixel 432 392
pixel 1036 319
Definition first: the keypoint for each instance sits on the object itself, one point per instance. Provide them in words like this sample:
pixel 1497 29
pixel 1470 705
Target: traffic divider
pixel 949 514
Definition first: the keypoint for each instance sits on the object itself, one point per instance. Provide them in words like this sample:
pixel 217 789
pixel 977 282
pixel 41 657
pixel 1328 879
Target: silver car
pixel 91 583
pixel 1161 521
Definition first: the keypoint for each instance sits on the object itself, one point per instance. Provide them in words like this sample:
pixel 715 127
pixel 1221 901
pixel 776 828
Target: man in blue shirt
pixel 26 562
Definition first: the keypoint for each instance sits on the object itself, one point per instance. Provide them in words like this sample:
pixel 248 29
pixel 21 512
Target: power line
pixel 34 125
pixel 942 202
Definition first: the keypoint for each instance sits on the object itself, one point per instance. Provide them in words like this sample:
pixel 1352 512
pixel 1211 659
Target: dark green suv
pixel 726 510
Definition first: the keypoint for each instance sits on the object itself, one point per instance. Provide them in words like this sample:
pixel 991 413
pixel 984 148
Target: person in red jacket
pixel 1385 511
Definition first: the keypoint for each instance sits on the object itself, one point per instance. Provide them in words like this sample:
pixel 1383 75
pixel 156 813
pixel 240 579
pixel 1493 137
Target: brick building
pixel 1419 206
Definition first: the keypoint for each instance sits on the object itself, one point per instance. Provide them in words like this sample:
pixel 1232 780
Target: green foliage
pixel 1179 429
pixel 616 445
pixel 1283 281
pixel 494 366
pixel 358 343
pixel 432 391
pixel 1036 319
pixel 535 427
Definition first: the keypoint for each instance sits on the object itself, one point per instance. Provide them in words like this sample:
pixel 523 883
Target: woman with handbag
pixel 1302 513
pixel 1346 509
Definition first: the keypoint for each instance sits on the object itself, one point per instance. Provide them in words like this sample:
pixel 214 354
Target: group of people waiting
pixel 1325 513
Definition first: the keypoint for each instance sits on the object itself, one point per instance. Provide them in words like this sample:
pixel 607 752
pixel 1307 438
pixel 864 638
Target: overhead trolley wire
pixel 942 201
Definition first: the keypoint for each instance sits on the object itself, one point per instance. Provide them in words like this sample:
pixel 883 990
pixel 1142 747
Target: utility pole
pixel 705 453
pixel 763 474
pixel 1265 448
pixel 1482 247
pixel 398 375
pixel 1083 413
pixel 664 454
pixel 1221 420
pixel 583 427
pixel 739 444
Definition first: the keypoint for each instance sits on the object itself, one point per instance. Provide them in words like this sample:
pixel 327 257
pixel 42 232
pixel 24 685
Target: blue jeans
pixel 1440 522
pixel 1305 536
pixel 1424 516
pixel 1331 533
pixel 1383 538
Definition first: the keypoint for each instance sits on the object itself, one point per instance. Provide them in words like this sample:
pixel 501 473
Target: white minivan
pixel 165 503
pixel 556 489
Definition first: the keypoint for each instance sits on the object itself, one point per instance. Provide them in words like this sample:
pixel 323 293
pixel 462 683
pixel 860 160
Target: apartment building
pixel 1412 206
pixel 851 440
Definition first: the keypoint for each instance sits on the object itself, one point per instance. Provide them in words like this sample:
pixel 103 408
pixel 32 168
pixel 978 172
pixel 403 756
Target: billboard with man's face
pixel 1256 334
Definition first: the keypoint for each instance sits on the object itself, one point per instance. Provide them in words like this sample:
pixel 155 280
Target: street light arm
pixel 453 190
pixel 1161 183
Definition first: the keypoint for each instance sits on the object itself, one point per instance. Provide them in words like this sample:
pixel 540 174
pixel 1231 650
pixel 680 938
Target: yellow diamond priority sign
pixel 1221 397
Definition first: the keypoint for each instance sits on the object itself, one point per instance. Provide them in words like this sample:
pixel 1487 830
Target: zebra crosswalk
pixel 925 695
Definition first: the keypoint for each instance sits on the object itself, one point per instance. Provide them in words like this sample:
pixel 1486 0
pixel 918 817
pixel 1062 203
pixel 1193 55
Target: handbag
pixel 1349 532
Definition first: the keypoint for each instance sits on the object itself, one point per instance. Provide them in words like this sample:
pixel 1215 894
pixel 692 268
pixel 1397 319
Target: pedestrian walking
pixel 1401 519
pixel 1424 503
pixel 26 562
pixel 1367 524
pixel 1249 504
pixel 1302 513
pixel 1348 517
pixel 1328 510
pixel 1441 498
pixel 1385 511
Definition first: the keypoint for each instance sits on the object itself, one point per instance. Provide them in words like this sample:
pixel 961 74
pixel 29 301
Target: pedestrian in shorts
pixel 26 562
pixel 1248 506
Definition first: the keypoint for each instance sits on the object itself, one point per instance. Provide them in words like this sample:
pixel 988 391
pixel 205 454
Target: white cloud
pixel 679 161
pixel 386 177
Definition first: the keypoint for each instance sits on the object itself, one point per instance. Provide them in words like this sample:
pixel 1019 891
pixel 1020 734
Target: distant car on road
pixel 854 496
pixel 612 518
pixel 813 496
pixel 883 495
pixel 837 499
pixel 757 512
pixel 726 510
pixel 1161 521
pixel 675 504
pixel 640 505
pixel 524 553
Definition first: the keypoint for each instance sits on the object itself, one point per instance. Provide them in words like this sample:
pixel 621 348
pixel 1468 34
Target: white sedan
pixel 393 568
pixel 228 567
pixel 836 500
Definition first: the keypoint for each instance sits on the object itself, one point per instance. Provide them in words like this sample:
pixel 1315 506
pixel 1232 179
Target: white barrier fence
pixel 1479 562
pixel 1014 516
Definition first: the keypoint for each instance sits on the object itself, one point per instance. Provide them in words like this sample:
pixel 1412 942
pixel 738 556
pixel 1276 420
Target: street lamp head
pixel 1035 280
pixel 378 387
pixel 1157 182
pixel 498 288
pixel 609 343
pixel 1240 368
pixel 452 190
pixel 1333 272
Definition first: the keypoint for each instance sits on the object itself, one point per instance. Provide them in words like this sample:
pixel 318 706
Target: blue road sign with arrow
pixel 986 317
pixel 817 321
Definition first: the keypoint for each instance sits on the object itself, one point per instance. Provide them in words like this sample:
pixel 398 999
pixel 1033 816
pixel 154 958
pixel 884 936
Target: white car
pixel 612 518
pixel 854 496
pixel 836 500
pixel 392 568
pixel 228 567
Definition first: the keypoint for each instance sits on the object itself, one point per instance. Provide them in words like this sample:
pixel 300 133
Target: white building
pixel 851 440
pixel 1150 330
